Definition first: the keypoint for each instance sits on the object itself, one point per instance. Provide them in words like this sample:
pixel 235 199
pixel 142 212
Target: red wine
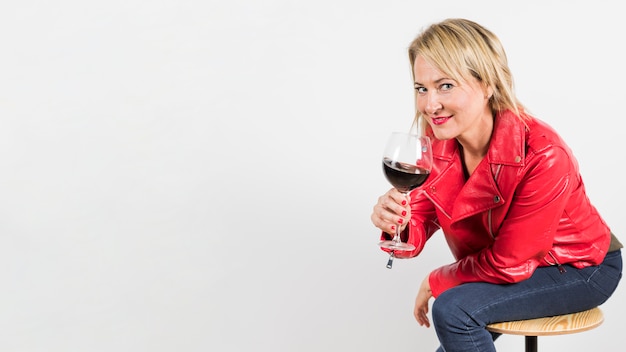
pixel 403 176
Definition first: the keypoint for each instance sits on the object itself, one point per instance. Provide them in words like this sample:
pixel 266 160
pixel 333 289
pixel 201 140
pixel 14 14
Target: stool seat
pixel 557 325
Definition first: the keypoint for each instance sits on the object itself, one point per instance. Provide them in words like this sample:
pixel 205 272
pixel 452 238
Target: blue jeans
pixel 461 314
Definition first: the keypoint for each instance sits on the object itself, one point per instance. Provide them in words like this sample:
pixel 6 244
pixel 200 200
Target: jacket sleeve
pixel 527 233
pixel 422 226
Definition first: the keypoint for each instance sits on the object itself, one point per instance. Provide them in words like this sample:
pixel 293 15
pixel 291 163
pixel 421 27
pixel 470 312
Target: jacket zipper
pixel 489 219
pixel 556 262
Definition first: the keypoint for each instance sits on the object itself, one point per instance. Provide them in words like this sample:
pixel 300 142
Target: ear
pixel 488 92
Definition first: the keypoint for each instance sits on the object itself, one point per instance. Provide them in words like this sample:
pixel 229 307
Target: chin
pixel 440 135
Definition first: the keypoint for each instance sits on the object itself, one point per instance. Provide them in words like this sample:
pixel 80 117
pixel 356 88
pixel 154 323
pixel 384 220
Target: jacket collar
pixel 507 145
pixel 508 140
pixel 459 198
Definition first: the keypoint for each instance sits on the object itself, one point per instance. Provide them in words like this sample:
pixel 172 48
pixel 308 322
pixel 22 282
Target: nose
pixel 432 104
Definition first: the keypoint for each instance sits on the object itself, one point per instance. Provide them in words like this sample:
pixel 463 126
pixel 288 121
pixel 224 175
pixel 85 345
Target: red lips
pixel 440 120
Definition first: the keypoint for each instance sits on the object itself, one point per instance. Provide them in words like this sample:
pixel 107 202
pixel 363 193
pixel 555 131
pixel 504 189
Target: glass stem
pixel 396 238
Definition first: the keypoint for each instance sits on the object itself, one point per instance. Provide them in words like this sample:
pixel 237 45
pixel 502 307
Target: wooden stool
pixel 558 325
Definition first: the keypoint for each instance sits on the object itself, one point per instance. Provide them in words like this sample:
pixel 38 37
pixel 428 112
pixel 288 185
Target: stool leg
pixel 531 343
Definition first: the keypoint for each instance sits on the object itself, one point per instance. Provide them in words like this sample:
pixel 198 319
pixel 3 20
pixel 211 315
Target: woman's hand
pixel 393 209
pixel 421 303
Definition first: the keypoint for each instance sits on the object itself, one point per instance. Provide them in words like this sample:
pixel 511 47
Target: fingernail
pixel 400 221
pixel 404 202
pixel 404 213
pixel 393 227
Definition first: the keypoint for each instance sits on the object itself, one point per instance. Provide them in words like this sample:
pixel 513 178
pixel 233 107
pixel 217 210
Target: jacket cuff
pixel 441 280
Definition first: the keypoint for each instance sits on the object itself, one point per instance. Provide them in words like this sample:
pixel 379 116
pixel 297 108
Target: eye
pixel 420 89
pixel 446 86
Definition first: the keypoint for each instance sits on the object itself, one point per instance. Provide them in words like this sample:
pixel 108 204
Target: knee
pixel 449 310
pixel 445 308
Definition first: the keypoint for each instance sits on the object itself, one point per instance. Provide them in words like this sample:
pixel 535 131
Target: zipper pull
pixel 390 261
pixel 558 265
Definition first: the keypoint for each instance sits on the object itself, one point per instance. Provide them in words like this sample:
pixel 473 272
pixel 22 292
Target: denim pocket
pixel 606 276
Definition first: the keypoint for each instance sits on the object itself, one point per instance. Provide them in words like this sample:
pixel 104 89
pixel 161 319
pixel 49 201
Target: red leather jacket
pixel 524 206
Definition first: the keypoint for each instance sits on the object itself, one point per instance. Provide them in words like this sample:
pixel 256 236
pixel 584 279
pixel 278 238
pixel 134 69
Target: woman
pixel 506 192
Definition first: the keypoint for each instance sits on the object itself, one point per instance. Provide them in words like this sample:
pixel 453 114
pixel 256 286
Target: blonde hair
pixel 461 49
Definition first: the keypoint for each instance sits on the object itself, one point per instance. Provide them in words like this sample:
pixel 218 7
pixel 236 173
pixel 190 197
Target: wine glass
pixel 407 161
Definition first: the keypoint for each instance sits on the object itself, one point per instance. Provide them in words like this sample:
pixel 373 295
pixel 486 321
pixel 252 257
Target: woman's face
pixel 453 109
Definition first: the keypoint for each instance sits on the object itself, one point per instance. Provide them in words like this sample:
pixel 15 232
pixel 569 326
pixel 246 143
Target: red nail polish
pixel 400 221
pixel 404 213
pixel 404 202
pixel 393 227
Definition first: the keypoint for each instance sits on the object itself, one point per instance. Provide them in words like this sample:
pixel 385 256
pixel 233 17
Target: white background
pixel 184 175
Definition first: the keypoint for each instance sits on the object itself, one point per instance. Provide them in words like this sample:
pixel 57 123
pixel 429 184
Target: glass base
pixel 396 246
